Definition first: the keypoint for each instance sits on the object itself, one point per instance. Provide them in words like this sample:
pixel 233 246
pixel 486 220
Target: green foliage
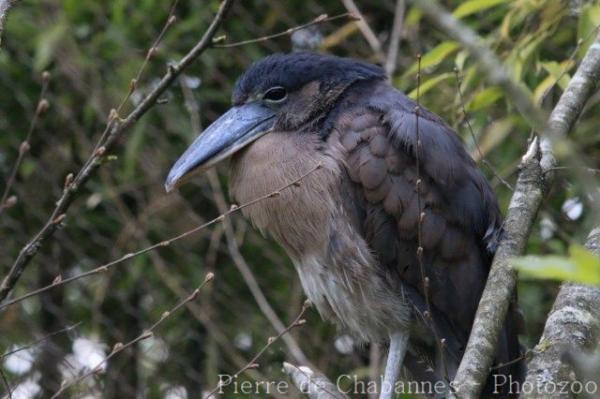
pixel 94 48
pixel 580 266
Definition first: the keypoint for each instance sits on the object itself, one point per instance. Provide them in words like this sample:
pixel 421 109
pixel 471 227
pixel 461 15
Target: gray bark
pixel 572 327
pixel 533 182
pixel 4 7
pixel 314 384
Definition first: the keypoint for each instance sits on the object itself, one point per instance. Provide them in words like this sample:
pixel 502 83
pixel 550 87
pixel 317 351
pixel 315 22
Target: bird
pixel 392 235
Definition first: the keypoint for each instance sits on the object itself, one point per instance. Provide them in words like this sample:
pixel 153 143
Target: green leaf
pixel 588 21
pixel 430 84
pixel 580 266
pixel 557 74
pixel 47 43
pixel 433 57
pixel 485 98
pixel 473 6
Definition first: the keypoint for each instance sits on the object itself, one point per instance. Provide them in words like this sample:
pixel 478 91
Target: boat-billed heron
pixel 351 228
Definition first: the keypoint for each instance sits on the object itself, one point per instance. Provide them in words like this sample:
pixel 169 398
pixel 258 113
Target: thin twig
pixel 148 333
pixel 534 180
pixel 149 54
pixel 365 29
pixel 6 384
pixel 424 277
pixel 234 251
pixel 249 278
pixel 392 55
pixel 298 321
pixel 319 20
pixel 115 129
pixel 495 72
pixel 39 341
pixel 468 121
pixel 41 109
pixel 59 281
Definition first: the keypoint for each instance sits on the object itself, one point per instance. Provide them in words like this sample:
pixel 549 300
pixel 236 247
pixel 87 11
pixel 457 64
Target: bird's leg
pixel 398 345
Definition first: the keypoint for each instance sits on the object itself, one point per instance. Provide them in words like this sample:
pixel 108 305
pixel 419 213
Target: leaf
pixel 580 266
pixel 433 57
pixel 47 43
pixel 430 84
pixel 494 135
pixel 413 16
pixel 588 22
pixel 485 98
pixel 473 6
pixel 557 75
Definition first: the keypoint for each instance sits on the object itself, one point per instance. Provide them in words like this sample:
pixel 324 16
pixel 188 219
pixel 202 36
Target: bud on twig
pixel 10 202
pixel 68 180
pixel 59 219
pixel 42 107
pixel 24 147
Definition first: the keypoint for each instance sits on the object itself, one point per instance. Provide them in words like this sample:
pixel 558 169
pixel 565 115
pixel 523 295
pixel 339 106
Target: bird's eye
pixel 275 94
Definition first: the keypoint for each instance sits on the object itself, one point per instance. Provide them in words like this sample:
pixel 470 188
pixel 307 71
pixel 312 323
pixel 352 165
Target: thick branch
pixel 314 384
pixel 533 181
pixel 5 5
pixel 573 326
pixel 115 130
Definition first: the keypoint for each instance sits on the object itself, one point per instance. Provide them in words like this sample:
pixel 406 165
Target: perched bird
pixel 393 179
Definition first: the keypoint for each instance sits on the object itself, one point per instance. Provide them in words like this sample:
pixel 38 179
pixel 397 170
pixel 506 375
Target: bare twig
pixel 249 278
pixel 422 215
pixel 298 321
pixel 149 54
pixel 468 121
pixel 573 326
pixel 392 56
pixel 39 341
pixel 239 261
pixel 552 135
pixel 366 30
pixel 317 21
pixel 116 127
pixel 41 109
pixel 148 333
pixel 6 384
pixel 59 281
pixel 533 181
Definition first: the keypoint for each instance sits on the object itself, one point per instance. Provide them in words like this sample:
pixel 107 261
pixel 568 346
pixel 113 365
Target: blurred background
pixel 92 49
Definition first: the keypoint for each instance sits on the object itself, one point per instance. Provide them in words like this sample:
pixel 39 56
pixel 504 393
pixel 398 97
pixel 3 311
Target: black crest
pixel 294 70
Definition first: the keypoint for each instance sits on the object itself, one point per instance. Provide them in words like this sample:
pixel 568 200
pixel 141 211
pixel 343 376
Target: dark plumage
pixel 351 228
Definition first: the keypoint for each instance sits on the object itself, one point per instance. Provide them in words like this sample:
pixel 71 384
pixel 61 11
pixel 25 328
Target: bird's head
pixel 279 93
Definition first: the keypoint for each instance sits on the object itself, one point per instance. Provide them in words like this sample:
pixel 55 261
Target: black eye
pixel 275 94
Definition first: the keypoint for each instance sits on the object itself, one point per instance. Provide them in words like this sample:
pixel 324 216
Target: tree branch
pixel 115 129
pixel 532 183
pixel 573 326
pixel 314 384
pixel 5 5
pixel 148 333
pixel 59 281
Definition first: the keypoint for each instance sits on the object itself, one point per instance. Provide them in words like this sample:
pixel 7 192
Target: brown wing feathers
pixel 379 139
